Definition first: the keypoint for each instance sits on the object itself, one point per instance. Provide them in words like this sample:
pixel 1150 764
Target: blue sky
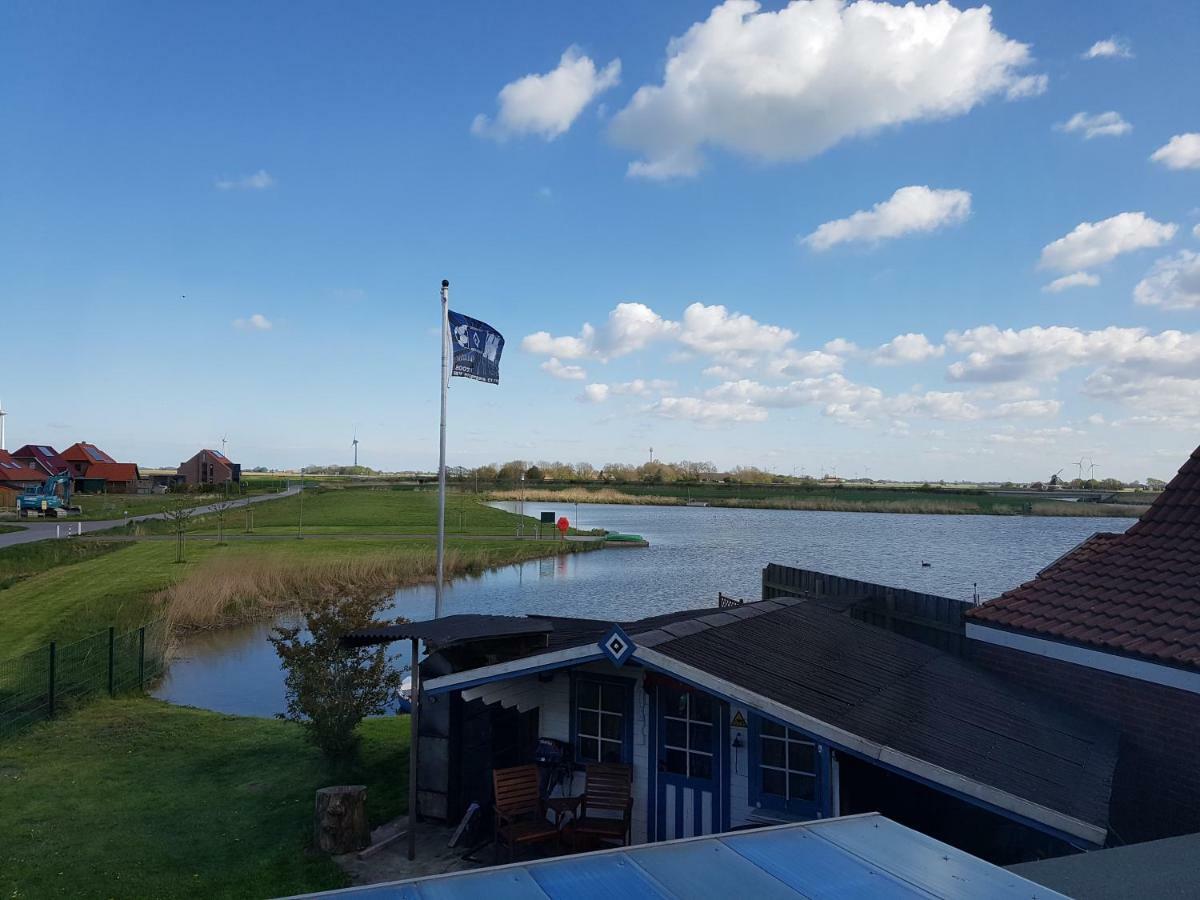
pixel 169 173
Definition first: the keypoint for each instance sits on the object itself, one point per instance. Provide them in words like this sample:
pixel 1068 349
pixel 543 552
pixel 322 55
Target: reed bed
pixel 583 495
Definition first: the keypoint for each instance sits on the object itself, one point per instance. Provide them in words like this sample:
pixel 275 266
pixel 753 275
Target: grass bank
pixel 884 500
pixel 9 529
pixel 137 798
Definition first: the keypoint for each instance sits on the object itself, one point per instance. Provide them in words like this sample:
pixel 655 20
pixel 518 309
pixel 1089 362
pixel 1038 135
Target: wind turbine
pixel 354 443
pixel 224 441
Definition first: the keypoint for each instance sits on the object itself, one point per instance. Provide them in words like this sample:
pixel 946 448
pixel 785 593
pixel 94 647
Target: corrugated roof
pixel 865 856
pixel 1136 594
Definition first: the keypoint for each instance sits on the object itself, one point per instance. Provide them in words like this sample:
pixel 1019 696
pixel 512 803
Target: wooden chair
pixel 609 789
pixel 519 809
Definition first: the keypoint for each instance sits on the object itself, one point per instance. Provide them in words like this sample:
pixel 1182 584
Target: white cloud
pixel 257 322
pixel 1075 279
pixel 907 348
pixel 1172 283
pixel 910 210
pixel 1196 231
pixel 557 369
pixel 1110 47
pixel 259 181
pixel 1180 152
pixel 706 412
pixel 795 363
pixel 1105 124
pixel 546 105
pixel 1093 243
pixel 1154 396
pixel 841 346
pixel 789 84
pixel 714 331
pixel 1028 409
pixel 640 386
pixel 545 344
pixel 995 355
pixel 595 393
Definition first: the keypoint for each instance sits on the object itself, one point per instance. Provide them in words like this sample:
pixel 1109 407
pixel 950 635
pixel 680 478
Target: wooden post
pixel 340 819
pixel 414 741
pixel 53 653
pixel 112 659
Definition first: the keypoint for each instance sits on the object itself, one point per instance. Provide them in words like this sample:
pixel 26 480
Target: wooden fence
pixel 928 618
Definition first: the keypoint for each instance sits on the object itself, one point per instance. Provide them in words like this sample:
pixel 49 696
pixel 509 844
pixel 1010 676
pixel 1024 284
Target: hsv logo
pixel 617 646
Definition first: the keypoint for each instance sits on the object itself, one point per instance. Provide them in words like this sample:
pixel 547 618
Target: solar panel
pixel 95 454
pixel 217 453
pixel 49 451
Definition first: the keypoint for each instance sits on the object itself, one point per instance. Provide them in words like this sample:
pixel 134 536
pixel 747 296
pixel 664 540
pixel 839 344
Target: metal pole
pixel 53 662
pixel 142 658
pixel 112 660
pixel 414 742
pixel 445 383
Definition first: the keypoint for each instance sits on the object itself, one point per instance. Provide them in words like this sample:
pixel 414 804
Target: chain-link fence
pixel 40 684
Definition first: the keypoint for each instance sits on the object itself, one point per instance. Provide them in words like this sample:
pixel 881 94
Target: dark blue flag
pixel 477 347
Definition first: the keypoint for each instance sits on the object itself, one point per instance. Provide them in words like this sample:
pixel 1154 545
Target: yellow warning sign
pixel 739 721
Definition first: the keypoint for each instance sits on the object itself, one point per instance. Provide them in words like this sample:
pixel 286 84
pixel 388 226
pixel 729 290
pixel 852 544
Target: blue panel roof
pixel 864 856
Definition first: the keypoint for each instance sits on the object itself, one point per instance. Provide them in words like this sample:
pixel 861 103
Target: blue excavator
pixel 45 500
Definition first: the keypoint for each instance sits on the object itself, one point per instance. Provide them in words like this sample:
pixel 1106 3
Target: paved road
pixel 40 531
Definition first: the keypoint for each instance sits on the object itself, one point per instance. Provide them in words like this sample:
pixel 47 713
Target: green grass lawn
pixel 137 798
pixel 98 507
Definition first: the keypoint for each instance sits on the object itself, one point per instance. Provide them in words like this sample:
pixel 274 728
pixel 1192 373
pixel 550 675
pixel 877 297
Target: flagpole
pixel 441 530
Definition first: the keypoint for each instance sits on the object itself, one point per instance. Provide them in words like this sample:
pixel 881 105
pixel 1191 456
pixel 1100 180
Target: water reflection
pixel 694 552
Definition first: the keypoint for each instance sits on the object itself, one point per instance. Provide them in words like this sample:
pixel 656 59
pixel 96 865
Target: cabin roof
pixel 1134 594
pixel 870 691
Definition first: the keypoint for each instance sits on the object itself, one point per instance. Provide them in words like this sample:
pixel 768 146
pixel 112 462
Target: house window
pixel 687 737
pixel 786 767
pixel 603 720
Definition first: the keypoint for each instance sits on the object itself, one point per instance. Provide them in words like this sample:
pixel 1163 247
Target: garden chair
pixel 608 792
pixel 519 809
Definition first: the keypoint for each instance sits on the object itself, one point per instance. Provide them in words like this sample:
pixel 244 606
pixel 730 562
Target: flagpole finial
pixel 445 282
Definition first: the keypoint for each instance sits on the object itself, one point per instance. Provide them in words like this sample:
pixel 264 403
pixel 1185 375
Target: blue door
pixel 691 778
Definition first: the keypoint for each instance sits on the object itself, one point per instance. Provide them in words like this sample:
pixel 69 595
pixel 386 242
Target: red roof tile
pixel 42 456
pixel 13 471
pixel 86 453
pixel 113 471
pixel 1136 593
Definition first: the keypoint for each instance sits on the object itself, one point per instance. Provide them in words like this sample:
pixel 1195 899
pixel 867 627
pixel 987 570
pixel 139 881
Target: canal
pixel 694 553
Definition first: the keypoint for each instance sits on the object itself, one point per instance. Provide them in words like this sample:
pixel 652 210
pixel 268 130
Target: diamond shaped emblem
pixel 617 646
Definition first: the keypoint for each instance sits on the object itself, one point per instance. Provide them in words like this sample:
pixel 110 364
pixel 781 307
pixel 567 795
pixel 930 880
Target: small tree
pixel 180 516
pixel 220 510
pixel 331 688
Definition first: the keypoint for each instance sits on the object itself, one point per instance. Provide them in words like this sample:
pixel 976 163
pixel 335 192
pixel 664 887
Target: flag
pixel 477 347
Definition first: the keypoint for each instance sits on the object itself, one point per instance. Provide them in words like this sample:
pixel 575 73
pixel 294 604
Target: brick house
pixel 95 471
pixel 42 457
pixel 1113 627
pixel 16 476
pixel 209 467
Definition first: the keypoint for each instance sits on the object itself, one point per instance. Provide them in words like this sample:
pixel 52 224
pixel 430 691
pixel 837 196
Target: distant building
pixel 16 476
pixel 97 472
pixel 1113 627
pixel 209 467
pixel 42 457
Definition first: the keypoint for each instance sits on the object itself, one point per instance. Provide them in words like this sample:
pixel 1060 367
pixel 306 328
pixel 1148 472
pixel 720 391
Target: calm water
pixel 694 553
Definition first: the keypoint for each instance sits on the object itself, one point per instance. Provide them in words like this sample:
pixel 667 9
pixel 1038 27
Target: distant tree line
pixel 650 472
pixel 339 470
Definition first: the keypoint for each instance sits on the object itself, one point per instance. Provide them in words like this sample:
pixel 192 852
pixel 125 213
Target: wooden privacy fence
pixel 40 684
pixel 928 618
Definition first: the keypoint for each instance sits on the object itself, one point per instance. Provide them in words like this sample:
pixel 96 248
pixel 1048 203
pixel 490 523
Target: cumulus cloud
pixel 1075 279
pixel 1158 399
pixel 714 331
pixel 595 393
pixel 791 83
pixel 630 327
pixel 996 355
pixel 1105 124
pixel 1091 244
pixel 1180 152
pixel 910 210
pixel 557 369
pixel 1172 283
pixel 907 348
pixel 546 105
pixel 1113 47
pixel 795 363
pixel 259 181
pixel 706 412
pixel 257 322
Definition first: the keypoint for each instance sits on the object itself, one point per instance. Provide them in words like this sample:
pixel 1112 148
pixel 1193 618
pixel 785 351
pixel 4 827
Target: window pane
pixel 774 782
pixel 589 750
pixel 702 707
pixel 675 762
pixel 674 733
pixel 611 752
pixel 588 694
pixel 701 736
pixel 612 698
pixel 771 729
pixel 802 787
pixel 802 756
pixel 773 753
pixel 674 703
pixel 610 727
pixel 701 765
pixel 589 723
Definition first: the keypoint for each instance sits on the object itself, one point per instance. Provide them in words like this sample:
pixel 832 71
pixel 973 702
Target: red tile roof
pixel 86 453
pixel 1137 593
pixel 44 457
pixel 112 471
pixel 13 471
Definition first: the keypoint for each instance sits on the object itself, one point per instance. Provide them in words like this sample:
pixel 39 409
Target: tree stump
pixel 340 821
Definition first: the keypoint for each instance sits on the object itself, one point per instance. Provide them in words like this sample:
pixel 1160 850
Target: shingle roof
pixel 916 699
pixel 1136 594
